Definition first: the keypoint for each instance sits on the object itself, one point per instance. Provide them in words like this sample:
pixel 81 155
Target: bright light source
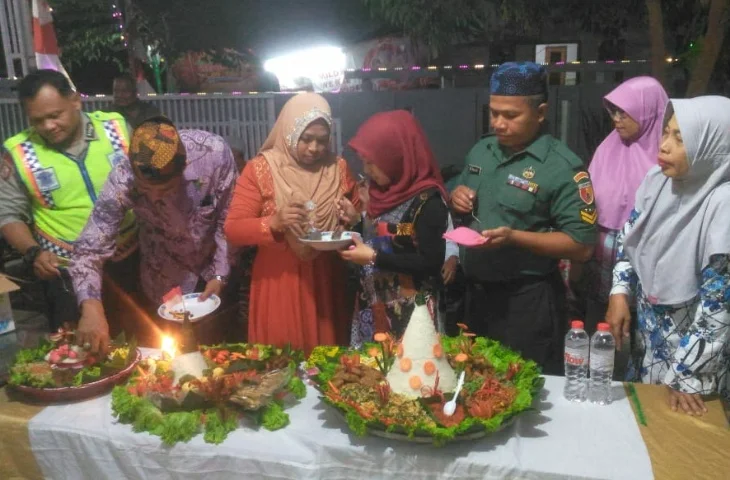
pixel 313 63
pixel 169 346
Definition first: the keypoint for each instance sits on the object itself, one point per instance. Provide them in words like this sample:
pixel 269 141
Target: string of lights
pixel 119 18
pixel 480 66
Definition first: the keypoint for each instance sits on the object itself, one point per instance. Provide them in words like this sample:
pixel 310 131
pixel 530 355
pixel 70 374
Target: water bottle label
pixel 574 356
pixel 602 362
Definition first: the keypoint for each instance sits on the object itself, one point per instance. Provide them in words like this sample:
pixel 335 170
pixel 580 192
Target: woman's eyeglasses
pixel 616 113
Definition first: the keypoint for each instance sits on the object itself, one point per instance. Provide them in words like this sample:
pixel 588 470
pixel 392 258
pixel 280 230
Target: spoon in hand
pixel 450 406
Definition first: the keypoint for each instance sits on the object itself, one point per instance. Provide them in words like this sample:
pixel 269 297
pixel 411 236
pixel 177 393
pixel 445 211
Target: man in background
pixel 128 104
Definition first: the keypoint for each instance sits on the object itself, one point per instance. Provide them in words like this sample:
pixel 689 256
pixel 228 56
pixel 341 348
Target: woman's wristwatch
pixel 221 278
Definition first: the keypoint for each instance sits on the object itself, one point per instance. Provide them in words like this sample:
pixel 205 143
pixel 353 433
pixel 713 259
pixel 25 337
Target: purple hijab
pixel 618 167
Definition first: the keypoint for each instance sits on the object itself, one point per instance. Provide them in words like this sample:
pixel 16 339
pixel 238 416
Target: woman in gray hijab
pixel 674 258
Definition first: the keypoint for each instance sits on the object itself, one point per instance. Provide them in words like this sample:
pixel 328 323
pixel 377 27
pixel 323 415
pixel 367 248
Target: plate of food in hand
pixel 212 390
pixel 400 389
pixel 466 237
pixel 57 370
pixel 191 304
pixel 329 241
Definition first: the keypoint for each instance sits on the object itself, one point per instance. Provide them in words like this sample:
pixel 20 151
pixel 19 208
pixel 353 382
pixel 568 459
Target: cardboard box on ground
pixel 18 328
pixel 8 336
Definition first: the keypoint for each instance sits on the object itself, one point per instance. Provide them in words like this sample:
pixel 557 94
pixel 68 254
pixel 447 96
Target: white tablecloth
pixel 561 441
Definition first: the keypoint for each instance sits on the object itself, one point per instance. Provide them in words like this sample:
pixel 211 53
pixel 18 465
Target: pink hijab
pixel 618 167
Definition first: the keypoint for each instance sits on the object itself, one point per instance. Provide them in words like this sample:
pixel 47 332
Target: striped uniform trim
pixel 113 130
pixel 32 165
pixel 53 246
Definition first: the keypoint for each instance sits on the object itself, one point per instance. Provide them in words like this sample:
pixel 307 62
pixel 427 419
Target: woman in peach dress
pixel 297 294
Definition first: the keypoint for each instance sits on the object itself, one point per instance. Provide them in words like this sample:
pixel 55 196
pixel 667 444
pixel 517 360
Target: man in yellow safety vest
pixel 50 176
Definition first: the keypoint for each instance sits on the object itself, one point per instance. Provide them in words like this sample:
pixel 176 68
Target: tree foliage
pixel 440 23
pixel 87 33
pixel 692 32
pixel 172 28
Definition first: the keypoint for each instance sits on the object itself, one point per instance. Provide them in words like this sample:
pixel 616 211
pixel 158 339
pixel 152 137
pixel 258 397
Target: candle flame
pixel 169 347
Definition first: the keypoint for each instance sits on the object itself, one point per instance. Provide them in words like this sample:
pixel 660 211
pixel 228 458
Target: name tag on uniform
pixel 46 179
pixel 473 169
pixel 523 184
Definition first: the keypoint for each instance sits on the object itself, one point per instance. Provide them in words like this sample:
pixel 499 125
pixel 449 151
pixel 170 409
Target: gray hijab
pixel 683 222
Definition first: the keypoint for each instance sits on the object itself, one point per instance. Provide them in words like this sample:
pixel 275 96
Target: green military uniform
pixel 543 188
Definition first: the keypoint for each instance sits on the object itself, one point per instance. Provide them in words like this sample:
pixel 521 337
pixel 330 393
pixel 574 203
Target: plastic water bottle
pixel 603 350
pixel 576 362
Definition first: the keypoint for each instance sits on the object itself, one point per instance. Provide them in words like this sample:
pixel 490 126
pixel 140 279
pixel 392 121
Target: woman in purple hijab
pixel 617 169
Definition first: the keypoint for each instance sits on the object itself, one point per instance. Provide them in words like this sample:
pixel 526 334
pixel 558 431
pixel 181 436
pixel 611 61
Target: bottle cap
pixel 576 324
pixel 604 327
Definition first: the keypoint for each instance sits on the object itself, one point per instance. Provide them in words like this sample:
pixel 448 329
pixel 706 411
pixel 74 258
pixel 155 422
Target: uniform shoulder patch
pixel 585 190
pixel 580 176
pixel 585 187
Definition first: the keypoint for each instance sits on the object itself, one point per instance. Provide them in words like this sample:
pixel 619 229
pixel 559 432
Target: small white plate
pixel 327 244
pixel 197 309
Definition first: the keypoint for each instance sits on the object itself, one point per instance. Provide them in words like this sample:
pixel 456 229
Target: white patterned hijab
pixel 683 222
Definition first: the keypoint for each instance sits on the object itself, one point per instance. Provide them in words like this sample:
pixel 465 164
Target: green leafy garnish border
pixel 527 382
pixel 215 424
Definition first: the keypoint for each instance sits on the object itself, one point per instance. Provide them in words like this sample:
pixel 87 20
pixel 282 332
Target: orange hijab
pixel 294 182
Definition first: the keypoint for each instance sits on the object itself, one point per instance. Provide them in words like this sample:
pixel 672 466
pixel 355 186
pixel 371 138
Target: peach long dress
pixel 300 302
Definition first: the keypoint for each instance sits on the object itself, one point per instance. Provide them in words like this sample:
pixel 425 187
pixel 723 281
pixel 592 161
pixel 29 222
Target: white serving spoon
pixel 450 406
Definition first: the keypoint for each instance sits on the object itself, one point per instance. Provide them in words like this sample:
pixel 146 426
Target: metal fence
pixel 244 120
pixel 453 119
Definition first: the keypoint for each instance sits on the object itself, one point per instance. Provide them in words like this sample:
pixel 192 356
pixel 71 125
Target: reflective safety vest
pixel 63 191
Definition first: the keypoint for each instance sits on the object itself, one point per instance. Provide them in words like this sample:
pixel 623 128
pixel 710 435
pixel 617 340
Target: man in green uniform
pixel 50 177
pixel 533 199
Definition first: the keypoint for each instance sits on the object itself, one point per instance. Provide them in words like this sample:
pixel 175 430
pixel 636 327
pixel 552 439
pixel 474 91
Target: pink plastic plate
pixel 466 236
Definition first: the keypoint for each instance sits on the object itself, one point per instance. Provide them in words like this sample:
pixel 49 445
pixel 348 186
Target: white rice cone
pixel 419 346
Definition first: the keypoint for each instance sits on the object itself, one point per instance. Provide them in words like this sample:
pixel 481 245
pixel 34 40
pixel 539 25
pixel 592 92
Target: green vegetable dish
pixel 398 389
pixel 241 381
pixel 58 363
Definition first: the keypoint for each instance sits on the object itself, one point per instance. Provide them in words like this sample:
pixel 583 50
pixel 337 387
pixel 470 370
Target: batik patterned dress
pixel 685 346
pixel 386 299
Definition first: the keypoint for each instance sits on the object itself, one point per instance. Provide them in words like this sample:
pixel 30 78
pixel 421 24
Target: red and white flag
pixel 45 44
pixel 172 298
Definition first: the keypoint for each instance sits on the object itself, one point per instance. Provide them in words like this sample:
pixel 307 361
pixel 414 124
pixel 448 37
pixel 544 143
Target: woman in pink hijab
pixel 617 169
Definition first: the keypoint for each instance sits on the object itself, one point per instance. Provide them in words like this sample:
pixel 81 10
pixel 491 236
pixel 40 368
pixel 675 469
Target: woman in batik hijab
pixel 297 294
pixel 674 255
pixel 620 163
pixel 407 216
